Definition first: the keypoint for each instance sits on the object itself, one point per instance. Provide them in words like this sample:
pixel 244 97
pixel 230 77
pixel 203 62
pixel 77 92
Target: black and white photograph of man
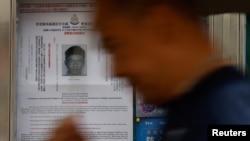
pixel 74 63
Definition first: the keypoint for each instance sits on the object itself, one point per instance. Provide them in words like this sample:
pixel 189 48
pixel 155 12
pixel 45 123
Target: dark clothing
pixel 222 97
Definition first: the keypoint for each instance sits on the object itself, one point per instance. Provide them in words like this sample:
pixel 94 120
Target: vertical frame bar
pixel 12 118
pixel 242 42
pixel 247 46
pixel 5 16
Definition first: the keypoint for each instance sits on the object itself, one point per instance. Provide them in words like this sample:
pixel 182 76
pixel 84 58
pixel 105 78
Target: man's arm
pixel 66 131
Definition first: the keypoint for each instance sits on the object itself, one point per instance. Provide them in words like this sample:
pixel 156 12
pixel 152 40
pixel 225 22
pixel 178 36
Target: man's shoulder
pixel 230 103
pixel 227 79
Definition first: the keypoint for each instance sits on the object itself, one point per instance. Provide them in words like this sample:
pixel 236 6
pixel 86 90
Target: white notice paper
pixel 52 85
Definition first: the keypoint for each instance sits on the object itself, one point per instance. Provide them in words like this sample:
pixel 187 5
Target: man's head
pixel 155 44
pixel 74 60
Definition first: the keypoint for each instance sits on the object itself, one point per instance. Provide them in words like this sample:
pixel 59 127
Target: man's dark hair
pixel 74 50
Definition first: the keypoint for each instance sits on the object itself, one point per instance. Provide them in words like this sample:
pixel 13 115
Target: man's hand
pixel 67 131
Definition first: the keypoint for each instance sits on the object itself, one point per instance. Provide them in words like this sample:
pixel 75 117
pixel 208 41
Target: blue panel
pixel 150 129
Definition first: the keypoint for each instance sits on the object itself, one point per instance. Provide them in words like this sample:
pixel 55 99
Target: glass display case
pixel 53 65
